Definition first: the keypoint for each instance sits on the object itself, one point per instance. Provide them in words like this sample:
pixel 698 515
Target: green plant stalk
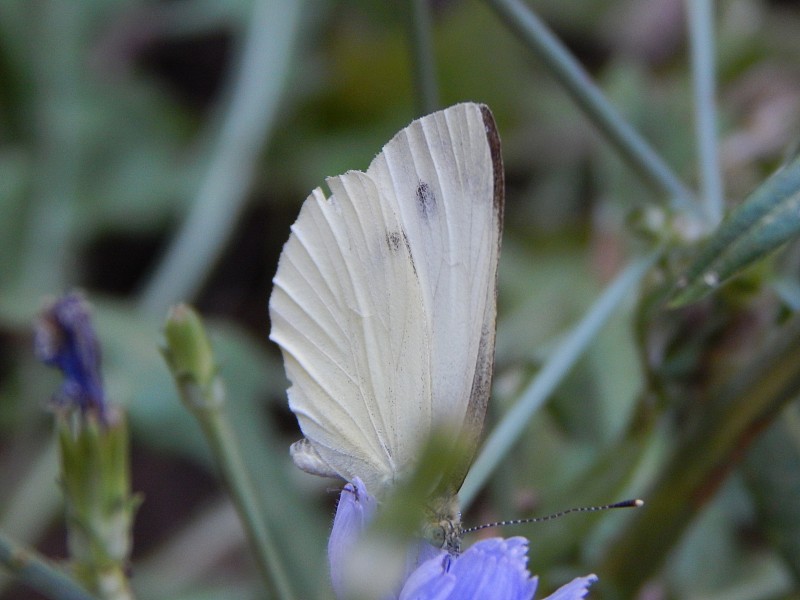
pixel 733 418
pixel 39 573
pixel 95 477
pixel 233 156
pixel 701 37
pixel 506 434
pixel 423 56
pixel 631 146
pixel 220 436
pixel 190 359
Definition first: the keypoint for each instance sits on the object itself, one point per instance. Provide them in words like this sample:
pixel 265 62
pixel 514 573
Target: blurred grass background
pixel 152 152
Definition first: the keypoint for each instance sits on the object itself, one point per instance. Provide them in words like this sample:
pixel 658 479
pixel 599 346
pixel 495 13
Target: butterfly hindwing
pixel 346 312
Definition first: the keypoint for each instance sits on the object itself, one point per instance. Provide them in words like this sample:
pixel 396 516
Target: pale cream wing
pixel 444 173
pixel 384 301
pixel 347 313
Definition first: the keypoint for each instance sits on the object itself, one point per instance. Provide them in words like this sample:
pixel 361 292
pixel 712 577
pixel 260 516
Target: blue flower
pixel 64 338
pixel 494 568
pixel 355 511
pixel 577 588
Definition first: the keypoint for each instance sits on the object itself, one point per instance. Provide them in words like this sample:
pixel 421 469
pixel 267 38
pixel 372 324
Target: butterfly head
pixel 443 526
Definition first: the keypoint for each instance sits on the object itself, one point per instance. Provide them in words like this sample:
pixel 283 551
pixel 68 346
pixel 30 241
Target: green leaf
pixel 769 217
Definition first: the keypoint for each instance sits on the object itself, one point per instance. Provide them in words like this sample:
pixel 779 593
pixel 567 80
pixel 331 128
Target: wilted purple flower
pixel 64 338
pixel 492 568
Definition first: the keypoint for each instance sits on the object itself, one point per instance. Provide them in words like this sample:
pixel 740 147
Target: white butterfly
pixel 385 299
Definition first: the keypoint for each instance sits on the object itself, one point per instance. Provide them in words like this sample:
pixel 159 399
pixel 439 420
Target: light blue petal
pixel 574 590
pixel 353 514
pixel 430 581
pixel 491 569
pixel 494 568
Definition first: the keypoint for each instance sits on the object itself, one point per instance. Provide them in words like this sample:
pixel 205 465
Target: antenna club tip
pixel 633 503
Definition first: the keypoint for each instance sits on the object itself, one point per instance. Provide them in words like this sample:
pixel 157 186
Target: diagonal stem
pixel 701 37
pixel 39 573
pixel 631 146
pixel 506 434
pixel 423 56
pixel 246 124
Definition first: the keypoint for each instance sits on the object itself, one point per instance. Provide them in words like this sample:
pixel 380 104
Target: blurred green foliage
pixel 111 114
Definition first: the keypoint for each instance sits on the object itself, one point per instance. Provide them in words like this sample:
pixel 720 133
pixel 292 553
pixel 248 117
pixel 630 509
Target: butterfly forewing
pixel 384 300
pixel 441 172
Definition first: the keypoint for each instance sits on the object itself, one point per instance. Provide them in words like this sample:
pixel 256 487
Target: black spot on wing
pixel 396 240
pixel 426 200
pixel 393 240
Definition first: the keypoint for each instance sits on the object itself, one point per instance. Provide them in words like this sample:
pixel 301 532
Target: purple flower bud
pixel 64 338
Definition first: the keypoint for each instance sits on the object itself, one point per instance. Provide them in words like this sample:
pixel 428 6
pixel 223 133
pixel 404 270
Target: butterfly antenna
pixel 636 503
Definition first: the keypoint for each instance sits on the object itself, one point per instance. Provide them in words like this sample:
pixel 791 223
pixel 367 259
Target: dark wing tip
pixel 493 138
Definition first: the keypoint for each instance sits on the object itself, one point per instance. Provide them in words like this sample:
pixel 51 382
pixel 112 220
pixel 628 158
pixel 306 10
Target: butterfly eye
pixel 439 534
pixel 445 534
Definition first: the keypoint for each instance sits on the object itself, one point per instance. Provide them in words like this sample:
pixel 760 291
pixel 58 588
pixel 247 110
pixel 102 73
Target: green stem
pixel 633 148
pixel 423 56
pixel 701 37
pixel 732 419
pixel 221 438
pixel 506 434
pixel 191 360
pixel 246 124
pixel 39 573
